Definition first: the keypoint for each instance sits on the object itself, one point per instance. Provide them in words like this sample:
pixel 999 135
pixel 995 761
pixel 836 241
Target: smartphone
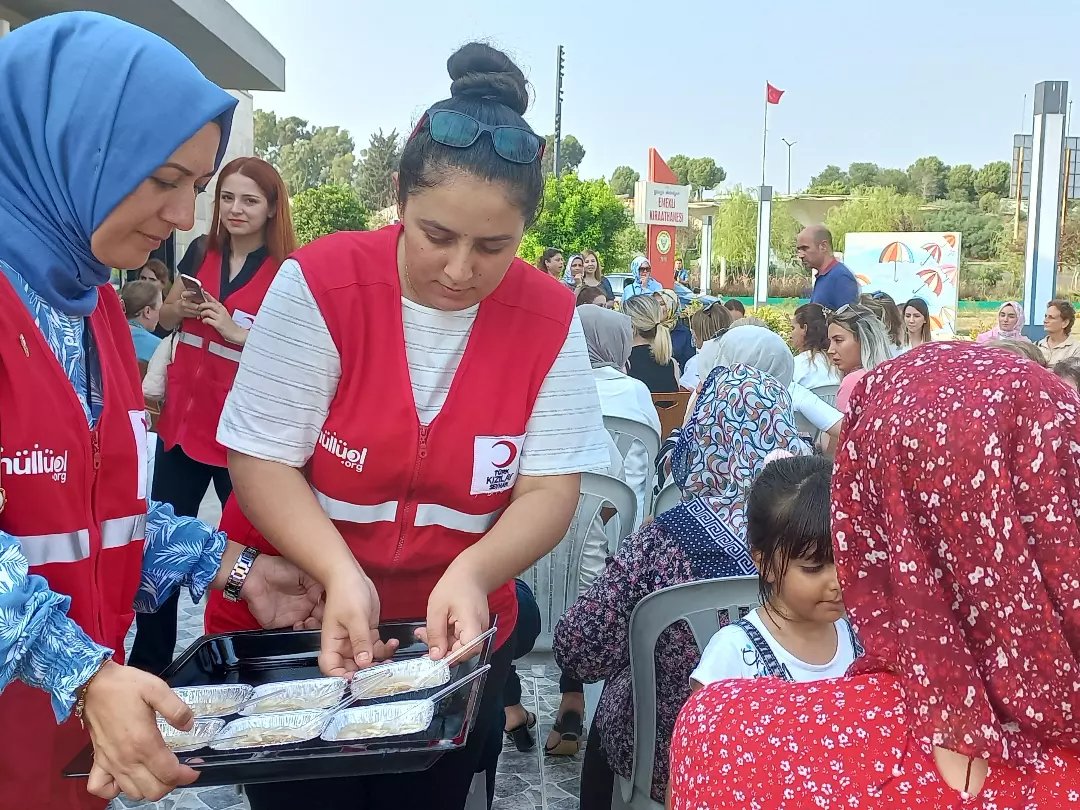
pixel 193 285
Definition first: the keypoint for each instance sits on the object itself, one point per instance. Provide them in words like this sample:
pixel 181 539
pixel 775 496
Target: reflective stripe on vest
pixel 433 514
pixel 356 512
pixel 215 348
pixel 68 547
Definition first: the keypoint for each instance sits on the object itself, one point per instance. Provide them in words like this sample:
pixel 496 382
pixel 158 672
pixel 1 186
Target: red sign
pixel 661 236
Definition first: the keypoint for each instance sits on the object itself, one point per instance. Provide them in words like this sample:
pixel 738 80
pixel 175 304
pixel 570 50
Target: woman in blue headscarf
pixel 107 133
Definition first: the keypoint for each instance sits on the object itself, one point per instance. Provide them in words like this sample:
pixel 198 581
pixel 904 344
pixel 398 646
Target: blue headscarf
pixel 742 419
pixel 89 107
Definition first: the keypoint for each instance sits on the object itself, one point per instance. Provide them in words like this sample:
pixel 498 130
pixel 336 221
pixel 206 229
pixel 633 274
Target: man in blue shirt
pixel 682 274
pixel 643 283
pixel 835 285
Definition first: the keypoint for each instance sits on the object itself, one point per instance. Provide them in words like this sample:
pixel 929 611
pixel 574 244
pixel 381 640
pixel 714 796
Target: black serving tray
pixel 269 656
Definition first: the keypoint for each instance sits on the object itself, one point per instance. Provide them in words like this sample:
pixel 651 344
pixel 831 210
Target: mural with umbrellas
pixel 910 265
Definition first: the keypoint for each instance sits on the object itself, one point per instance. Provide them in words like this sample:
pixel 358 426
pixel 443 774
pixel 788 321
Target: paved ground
pixel 526 781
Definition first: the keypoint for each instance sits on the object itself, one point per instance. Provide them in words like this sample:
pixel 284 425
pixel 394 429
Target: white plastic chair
pixel 698 604
pixel 625 432
pixel 667 498
pixel 555 578
pixel 826 393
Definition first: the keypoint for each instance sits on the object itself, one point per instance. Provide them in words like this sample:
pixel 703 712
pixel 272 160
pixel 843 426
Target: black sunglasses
pixel 460 131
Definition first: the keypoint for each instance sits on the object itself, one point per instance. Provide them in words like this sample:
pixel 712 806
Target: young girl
pixel 799 633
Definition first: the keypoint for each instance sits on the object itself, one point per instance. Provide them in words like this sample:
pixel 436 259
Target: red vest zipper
pixel 409 507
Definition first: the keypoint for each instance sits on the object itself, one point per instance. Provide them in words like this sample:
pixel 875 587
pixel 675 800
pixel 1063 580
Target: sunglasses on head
pixel 460 131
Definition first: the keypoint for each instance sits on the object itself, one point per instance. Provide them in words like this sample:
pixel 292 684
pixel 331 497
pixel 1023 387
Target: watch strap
pixel 240 570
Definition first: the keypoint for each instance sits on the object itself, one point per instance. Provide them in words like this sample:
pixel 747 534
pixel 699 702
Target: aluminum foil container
pixel 201 733
pixel 268 730
pixel 381 720
pixel 305 695
pixel 405 676
pixel 214 701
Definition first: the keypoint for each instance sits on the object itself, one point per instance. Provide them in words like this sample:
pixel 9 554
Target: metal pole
pixel 558 110
pixel 789 145
pixel 765 136
pixel 1019 190
pixel 1065 188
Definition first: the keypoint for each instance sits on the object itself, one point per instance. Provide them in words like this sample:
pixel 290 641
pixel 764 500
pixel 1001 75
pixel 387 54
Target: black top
pixel 657 378
pixel 196 252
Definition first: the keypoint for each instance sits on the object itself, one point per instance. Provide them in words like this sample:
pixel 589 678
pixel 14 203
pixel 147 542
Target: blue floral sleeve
pixel 179 552
pixel 39 644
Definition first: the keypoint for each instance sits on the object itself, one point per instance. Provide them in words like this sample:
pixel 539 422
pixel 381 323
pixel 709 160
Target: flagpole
pixel 765 135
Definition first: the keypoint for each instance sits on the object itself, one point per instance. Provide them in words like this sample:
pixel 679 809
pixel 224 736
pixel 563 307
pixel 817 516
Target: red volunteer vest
pixel 202 373
pixel 76 499
pixel 409 498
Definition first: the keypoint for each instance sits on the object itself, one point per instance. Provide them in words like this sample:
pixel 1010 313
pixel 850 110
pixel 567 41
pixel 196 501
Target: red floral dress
pixel 765 744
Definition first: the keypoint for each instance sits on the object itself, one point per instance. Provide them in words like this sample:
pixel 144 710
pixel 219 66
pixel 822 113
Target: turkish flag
pixel 772 94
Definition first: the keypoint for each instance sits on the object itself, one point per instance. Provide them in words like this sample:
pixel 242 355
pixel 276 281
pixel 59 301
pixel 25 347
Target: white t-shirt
pixel 813 369
pixel 731 654
pixel 690 378
pixel 290 369
pixel 813 408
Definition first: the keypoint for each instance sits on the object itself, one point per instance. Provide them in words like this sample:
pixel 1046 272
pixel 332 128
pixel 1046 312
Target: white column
pixel 706 253
pixel 761 272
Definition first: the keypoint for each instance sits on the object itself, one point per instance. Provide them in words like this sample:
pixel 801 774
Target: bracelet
pixel 80 694
pixel 239 573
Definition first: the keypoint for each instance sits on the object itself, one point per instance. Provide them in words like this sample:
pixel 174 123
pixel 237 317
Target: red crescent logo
pixel 512 451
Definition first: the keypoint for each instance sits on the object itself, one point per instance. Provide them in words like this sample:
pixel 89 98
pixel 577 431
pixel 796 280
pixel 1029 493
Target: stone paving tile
pixel 523 780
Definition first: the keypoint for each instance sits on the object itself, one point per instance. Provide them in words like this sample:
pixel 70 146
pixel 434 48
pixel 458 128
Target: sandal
pixel 521 736
pixel 570 729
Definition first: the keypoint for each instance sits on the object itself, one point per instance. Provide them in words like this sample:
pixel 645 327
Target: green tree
pixel 993 178
pixel 570 156
pixel 928 177
pixel 895 179
pixel 378 162
pixel 326 209
pixel 680 165
pixel 961 183
pixel 863 174
pixel 875 210
pixel 623 179
pixel 980 231
pixel 273 133
pixel 832 180
pixel 703 173
pixel 577 215
pixel 628 243
pixel 735 231
pixel 782 235
pixel 323 159
pixel 990 203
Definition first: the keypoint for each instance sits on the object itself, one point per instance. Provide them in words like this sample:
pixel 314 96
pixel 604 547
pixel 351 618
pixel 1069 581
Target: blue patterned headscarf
pixel 89 107
pixel 741 418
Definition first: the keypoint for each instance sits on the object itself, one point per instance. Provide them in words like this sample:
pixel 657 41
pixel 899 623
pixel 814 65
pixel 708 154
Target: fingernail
pixel 363 656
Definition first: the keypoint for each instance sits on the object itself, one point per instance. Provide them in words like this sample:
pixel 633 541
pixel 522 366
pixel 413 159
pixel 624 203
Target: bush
pixel 327 209
pixel 777 320
pixel 990 203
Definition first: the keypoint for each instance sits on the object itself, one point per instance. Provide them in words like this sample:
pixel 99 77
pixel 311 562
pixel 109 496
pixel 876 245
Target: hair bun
pixel 480 71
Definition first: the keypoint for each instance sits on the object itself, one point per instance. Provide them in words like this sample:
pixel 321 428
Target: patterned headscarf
pixel 997 333
pixel 741 417
pixel 955 519
pixel 671 301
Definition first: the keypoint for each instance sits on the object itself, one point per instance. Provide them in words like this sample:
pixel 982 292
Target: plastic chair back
pixel 699 605
pixel 667 498
pixel 625 433
pixel 826 393
pixel 555 578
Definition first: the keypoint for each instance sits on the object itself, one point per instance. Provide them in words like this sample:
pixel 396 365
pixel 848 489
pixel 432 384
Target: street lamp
pixel 789 145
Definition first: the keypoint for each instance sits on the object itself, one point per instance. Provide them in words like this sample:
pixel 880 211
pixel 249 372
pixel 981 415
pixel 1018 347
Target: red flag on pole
pixel 772 94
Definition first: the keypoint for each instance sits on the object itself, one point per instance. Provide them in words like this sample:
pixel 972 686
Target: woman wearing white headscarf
pixel 609 336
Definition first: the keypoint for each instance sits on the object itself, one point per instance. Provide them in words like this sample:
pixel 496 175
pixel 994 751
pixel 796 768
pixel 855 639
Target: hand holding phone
pixel 195 287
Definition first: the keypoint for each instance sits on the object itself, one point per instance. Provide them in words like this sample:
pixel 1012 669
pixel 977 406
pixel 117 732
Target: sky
pixel 865 81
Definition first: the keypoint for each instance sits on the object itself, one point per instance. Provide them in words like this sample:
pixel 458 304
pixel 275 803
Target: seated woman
pixel 1010 320
pixel 799 633
pixel 651 358
pixel 858 343
pixel 957 544
pixel 916 324
pixel 810 338
pixel 706 325
pixel 608 335
pixel 682 340
pixel 885 310
pixel 740 417
pixel 142 307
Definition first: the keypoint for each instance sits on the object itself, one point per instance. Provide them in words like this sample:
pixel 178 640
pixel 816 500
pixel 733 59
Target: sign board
pixel 910 265
pixel 1021 167
pixel 661 204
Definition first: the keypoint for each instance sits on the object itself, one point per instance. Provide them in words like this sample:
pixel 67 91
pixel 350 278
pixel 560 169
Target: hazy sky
pixel 865 79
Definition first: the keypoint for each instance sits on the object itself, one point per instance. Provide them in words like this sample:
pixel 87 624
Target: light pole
pixel 789 144
pixel 558 110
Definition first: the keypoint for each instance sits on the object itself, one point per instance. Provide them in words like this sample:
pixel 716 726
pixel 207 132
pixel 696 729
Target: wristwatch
pixel 239 573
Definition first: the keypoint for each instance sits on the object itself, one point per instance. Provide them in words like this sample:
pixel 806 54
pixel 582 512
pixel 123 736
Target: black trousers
pixel 443 786
pixel 597 778
pixel 182 482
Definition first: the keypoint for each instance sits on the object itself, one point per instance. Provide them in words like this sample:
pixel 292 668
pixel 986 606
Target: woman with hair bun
pixel 389 433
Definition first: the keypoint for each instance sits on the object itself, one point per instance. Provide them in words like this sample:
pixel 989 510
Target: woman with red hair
pixel 251 235
pixel 955 504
